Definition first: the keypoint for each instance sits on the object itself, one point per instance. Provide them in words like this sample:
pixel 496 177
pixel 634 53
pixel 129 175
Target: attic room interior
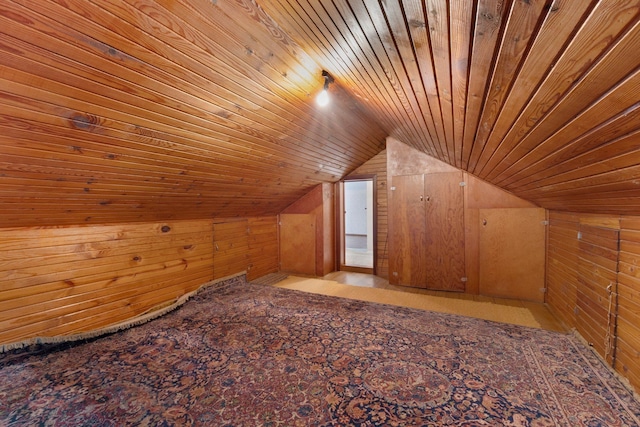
pixel 158 159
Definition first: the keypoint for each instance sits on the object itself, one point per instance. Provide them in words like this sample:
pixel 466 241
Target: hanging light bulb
pixel 323 97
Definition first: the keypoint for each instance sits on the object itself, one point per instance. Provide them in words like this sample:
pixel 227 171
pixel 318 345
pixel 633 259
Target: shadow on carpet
pixel 241 354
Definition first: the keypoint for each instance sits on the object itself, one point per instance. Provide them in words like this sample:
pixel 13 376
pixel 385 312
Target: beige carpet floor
pixel 506 313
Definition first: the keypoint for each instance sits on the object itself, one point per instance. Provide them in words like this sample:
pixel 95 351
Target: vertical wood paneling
pixel 437 14
pixel 515 43
pixel 511 91
pixel 580 76
pixel 462 13
pixel 556 28
pixel 490 16
pixel 419 106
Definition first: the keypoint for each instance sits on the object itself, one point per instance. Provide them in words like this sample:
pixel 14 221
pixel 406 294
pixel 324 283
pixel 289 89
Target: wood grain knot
pixel 165 229
pixel 83 121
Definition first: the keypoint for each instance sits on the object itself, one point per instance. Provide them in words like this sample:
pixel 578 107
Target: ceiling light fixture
pixel 323 97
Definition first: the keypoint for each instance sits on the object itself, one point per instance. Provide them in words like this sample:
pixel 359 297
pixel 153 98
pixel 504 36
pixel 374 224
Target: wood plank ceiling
pixel 140 110
pixel 538 97
pixel 114 111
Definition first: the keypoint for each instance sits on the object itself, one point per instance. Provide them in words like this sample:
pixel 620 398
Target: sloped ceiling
pixel 139 110
pixel 114 111
pixel 538 97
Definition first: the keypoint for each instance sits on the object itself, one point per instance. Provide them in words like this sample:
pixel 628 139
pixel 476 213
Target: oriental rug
pixel 241 354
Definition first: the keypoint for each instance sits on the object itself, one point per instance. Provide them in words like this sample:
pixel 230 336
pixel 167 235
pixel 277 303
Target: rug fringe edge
pixel 151 314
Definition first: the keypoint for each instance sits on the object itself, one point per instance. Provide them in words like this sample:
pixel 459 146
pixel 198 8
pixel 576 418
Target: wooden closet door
pixel 512 253
pixel 298 243
pixel 445 250
pixel 407 239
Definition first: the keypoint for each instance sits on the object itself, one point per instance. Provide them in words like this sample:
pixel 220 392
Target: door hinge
pixel 463 184
pixel 545 222
pixel 393 188
pixel 464 279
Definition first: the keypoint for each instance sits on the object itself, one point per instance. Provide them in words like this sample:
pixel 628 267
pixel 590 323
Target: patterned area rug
pixel 251 355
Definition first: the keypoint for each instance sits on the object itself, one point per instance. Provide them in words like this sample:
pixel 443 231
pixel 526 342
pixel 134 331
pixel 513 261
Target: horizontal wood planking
pixel 627 361
pixel 598 255
pixel 133 110
pixel 230 247
pixel 69 279
pixel 563 266
pixel 263 247
pixel 126 110
pixel 578 273
pixel 123 270
pixel 628 350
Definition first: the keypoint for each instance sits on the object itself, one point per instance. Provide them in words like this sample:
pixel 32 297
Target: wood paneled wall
pixel 628 307
pixel 479 198
pixel 593 281
pixel 263 246
pixel 320 204
pixel 130 110
pixel 230 247
pixel 378 166
pixel 66 280
pixel 562 266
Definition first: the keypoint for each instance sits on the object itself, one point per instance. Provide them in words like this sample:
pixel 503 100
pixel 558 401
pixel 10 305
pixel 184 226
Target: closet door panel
pixel 445 250
pixel 512 253
pixel 298 243
pixel 407 237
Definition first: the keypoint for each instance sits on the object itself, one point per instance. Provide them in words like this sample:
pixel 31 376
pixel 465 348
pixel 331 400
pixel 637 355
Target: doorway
pixel 357 224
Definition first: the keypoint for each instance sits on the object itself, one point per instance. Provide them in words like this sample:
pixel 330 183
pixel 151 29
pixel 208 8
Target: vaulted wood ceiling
pixel 138 110
pixel 539 97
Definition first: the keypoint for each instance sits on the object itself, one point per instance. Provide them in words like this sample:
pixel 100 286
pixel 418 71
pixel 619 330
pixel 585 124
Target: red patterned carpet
pixel 242 354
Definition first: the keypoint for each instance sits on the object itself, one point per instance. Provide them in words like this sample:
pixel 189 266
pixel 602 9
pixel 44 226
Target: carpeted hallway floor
pixel 365 287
